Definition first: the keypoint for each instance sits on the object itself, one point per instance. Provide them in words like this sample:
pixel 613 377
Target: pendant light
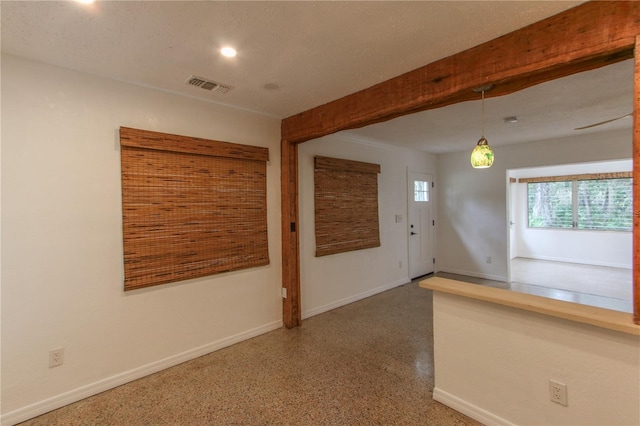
pixel 482 154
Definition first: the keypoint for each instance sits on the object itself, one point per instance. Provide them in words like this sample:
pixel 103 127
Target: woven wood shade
pixel 586 176
pixel 191 207
pixel 346 205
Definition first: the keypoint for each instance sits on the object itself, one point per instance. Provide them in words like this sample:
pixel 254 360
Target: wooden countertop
pixel 599 317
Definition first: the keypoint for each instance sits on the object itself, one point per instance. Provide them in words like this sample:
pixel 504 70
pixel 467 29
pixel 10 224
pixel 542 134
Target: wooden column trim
pixel 291 311
pixel 589 36
pixel 636 186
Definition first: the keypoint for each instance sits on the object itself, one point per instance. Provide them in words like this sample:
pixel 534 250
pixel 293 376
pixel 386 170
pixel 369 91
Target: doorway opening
pixel 570 232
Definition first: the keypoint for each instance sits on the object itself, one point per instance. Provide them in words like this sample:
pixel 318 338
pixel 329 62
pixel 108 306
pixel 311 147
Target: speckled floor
pixel 367 363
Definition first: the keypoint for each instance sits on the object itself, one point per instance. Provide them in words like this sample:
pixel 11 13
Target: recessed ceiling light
pixel 511 120
pixel 84 1
pixel 229 52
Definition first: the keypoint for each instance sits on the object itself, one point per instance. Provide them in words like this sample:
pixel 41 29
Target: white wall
pixel 472 202
pixel 604 248
pixel 331 281
pixel 494 364
pixel 62 275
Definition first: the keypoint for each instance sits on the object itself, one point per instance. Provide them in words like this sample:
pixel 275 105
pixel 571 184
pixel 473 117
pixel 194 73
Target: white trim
pixel 354 298
pixel 476 274
pixel 469 409
pixel 74 395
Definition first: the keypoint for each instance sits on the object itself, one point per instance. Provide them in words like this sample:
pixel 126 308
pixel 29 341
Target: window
pixel 346 205
pixel 605 204
pixel 191 207
pixel 600 202
pixel 550 205
pixel 420 191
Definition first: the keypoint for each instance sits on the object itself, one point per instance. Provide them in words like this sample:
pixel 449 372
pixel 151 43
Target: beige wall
pixel 494 363
pixel 614 249
pixel 472 203
pixel 62 235
pixel 62 271
pixel 331 281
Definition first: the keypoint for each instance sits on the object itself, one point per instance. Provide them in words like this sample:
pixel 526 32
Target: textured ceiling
pixel 546 111
pixel 313 52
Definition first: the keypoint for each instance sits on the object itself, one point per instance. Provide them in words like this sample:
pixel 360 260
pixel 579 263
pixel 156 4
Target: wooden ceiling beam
pixel 588 36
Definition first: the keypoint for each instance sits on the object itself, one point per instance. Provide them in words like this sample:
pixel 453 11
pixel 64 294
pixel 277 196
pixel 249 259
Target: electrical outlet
pixel 558 392
pixel 400 264
pixel 56 357
pixel 488 259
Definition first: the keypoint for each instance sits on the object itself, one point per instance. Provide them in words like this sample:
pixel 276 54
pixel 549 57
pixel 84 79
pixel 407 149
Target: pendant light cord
pixel 483 113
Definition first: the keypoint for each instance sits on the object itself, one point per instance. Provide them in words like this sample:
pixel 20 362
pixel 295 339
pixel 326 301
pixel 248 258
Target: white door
pixel 420 224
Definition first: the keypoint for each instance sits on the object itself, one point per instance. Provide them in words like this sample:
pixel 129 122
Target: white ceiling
pixel 314 52
pixel 546 111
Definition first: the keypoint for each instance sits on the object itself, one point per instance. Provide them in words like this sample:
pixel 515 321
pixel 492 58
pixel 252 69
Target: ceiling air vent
pixel 209 85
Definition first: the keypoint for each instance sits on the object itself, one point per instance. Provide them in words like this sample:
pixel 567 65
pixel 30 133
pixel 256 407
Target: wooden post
pixel 291 312
pixel 636 186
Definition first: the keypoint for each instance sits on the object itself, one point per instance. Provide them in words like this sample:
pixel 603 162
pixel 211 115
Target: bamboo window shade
pixel 191 207
pixel 346 205
pixel 586 176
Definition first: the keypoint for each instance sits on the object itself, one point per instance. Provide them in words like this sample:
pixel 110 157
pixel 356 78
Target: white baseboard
pixel 338 303
pixel 469 409
pixel 475 274
pixel 41 407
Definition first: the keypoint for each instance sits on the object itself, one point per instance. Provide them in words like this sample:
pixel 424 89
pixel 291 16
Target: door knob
pixel 413 233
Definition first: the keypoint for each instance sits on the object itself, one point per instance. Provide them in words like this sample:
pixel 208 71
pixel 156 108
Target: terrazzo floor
pixel 367 363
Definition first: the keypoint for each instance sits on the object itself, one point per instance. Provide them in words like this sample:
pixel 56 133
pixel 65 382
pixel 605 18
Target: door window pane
pixel 420 191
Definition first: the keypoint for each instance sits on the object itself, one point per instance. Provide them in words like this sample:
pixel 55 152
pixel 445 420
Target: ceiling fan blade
pixel 603 122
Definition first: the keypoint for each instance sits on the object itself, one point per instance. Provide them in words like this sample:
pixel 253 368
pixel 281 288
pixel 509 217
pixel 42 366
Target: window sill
pixel 599 317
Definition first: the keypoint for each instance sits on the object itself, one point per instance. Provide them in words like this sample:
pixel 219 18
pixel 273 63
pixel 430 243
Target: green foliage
pixel 550 205
pixel 603 204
